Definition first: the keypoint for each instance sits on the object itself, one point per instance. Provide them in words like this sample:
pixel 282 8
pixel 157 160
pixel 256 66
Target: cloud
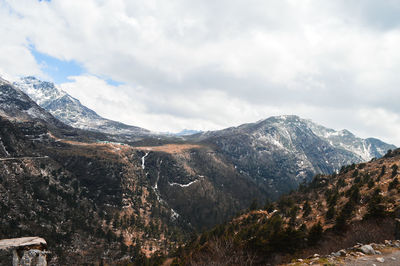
pixel 212 64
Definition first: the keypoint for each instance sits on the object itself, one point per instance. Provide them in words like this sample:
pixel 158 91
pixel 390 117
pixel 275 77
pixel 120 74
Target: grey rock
pixel 367 249
pixel 24 251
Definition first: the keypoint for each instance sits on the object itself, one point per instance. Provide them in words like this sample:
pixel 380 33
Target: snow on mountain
pixel 283 151
pixel 70 111
pixel 15 105
pixel 365 149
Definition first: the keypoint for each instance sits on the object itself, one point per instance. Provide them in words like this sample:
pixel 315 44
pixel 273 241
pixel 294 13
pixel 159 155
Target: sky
pixel 206 65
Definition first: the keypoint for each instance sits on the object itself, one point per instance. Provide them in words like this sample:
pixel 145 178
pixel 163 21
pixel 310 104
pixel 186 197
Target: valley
pixel 103 197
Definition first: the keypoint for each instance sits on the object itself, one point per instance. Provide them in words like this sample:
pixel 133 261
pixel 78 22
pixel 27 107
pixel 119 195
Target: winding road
pixel 22 158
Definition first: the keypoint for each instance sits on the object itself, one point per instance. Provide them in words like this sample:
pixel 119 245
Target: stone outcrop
pixel 24 251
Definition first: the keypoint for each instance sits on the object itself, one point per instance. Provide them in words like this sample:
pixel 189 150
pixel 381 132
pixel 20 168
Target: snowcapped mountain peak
pixel 3 81
pixel 70 110
pixel 42 92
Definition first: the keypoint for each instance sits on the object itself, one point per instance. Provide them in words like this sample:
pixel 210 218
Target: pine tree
pixel 306 209
pixel 330 213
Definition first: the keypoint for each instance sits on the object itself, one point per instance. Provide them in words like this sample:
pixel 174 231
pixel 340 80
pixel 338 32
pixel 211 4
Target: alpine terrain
pixel 70 111
pixel 330 221
pixel 95 200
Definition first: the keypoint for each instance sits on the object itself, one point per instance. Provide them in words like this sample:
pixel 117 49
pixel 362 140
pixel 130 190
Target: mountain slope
pixel 365 149
pixel 90 200
pixel 361 204
pixel 16 105
pixel 281 152
pixel 70 111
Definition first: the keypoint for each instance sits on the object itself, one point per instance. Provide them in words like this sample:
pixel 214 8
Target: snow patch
pixel 174 214
pixel 183 185
pixel 143 158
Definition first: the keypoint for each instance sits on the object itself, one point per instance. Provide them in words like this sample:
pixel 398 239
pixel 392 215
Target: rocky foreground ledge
pixel 371 254
pixel 23 251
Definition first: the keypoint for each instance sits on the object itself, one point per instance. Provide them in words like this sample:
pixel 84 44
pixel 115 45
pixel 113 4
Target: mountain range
pixel 169 186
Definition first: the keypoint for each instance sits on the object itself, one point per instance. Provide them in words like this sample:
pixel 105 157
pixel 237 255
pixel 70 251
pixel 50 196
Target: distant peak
pixel 282 118
pixel 3 81
pixel 29 78
pixel 346 132
pixel 32 79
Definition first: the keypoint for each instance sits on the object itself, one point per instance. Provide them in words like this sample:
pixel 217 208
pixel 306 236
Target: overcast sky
pixel 170 65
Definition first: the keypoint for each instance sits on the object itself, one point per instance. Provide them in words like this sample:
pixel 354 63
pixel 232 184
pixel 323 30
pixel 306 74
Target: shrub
pixel 393 184
pixel 371 183
pixel 345 215
pixel 394 170
pixel 375 206
pixel 330 213
pixel 315 234
pixel 383 170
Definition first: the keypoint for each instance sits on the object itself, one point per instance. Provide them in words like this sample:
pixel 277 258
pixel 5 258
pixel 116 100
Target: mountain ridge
pixel 71 111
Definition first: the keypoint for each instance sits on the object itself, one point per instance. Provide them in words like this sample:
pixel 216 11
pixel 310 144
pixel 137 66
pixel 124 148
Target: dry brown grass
pixel 170 148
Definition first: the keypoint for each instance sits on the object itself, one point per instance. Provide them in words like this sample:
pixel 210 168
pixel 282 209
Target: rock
pixel 378 252
pixel 316 255
pixel 367 249
pixel 21 242
pixel 23 251
pixel 342 252
pixel 393 258
pixel 380 259
pixel 300 260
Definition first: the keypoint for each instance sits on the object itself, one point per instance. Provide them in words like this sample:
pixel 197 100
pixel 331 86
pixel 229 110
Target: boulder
pixel 367 249
pixel 22 242
pixel 23 251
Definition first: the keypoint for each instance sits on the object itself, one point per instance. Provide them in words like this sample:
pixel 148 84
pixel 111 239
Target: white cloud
pixel 211 64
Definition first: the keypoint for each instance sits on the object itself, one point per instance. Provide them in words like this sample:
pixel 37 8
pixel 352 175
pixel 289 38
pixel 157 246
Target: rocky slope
pixel 361 204
pixel 140 197
pixel 17 106
pixel 90 200
pixel 281 152
pixel 70 111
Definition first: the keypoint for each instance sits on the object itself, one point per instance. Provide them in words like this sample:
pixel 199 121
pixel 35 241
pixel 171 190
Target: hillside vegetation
pixel 359 204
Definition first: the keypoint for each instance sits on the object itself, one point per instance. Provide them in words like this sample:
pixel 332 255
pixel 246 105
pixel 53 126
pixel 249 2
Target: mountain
pixel 16 105
pixel 88 193
pixel 360 204
pixel 281 152
pixel 90 199
pixel 365 149
pixel 70 111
